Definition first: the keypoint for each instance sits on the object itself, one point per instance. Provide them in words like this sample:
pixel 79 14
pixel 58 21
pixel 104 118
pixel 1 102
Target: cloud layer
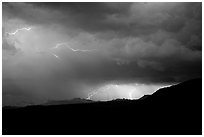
pixel 101 43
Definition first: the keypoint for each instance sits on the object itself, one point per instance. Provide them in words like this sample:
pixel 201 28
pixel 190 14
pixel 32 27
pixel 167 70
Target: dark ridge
pixel 172 110
pixel 72 101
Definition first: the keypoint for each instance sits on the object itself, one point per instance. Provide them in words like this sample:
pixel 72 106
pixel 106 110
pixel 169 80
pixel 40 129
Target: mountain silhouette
pixel 172 110
pixel 72 101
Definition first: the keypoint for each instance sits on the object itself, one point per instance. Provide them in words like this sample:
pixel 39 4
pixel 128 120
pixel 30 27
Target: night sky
pixel 98 51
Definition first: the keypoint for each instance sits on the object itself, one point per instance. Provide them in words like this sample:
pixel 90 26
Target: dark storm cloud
pixel 98 68
pixel 162 31
pixel 134 42
pixel 88 16
pixel 126 19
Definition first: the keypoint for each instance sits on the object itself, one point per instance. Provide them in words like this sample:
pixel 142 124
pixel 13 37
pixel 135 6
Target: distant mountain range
pixel 171 110
pixel 159 94
pixel 72 101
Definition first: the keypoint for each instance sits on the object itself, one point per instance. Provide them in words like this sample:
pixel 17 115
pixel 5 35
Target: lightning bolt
pixel 130 95
pixel 91 94
pixel 80 50
pixel 75 50
pixel 17 30
pixel 102 89
pixel 65 44
pixel 59 45
pixel 54 55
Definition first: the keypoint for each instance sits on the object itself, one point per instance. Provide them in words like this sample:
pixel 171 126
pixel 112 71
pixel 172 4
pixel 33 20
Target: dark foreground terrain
pixel 173 110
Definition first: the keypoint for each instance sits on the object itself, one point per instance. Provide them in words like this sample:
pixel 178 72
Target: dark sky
pixel 64 50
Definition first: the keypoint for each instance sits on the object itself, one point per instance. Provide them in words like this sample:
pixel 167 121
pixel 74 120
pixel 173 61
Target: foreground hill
pixel 172 110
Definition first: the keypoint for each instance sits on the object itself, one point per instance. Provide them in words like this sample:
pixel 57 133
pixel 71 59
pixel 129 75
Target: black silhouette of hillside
pixel 172 110
pixel 72 101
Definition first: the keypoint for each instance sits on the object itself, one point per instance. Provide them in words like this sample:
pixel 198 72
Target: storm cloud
pixel 75 47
